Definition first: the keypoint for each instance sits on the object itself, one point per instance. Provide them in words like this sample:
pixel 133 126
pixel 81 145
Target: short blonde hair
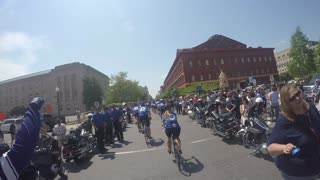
pixel 284 98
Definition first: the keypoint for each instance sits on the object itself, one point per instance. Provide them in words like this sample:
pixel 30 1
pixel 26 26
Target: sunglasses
pixel 294 97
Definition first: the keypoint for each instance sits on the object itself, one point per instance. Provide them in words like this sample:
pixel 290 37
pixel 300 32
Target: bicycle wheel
pixel 146 132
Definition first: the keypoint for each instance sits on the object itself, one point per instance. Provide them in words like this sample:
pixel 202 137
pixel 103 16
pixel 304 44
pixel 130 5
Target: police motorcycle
pixel 255 133
pixel 79 143
pixel 46 163
pixel 224 124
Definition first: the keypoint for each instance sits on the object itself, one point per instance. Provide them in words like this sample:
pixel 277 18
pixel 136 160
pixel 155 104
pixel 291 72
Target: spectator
pixel 115 116
pixel 244 109
pixel 1 136
pixel 273 97
pixel 297 126
pixel 99 125
pixel 59 130
pixel 13 132
pixel 13 161
pixel 78 113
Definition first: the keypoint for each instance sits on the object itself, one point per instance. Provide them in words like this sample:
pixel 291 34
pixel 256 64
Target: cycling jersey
pixel 171 122
pixel 143 111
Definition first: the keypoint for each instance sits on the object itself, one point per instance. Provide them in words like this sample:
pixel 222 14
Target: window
pixel 260 59
pixel 257 71
pixel 207 62
pixel 254 59
pixel 190 64
pixel 268 70
pixel 215 62
pixel 222 61
pixel 236 60
pixel 192 78
pixel 201 77
pixel 209 76
pixel 262 71
pixel 242 60
pixel 270 58
pixel 199 63
pixel 265 58
pixel 248 59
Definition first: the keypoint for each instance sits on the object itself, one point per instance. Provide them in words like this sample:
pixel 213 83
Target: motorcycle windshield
pixel 261 123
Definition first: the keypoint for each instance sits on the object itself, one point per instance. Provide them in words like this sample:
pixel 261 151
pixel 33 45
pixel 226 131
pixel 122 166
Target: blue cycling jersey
pixel 172 121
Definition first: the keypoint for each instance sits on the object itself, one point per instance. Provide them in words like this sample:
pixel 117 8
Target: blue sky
pixel 139 37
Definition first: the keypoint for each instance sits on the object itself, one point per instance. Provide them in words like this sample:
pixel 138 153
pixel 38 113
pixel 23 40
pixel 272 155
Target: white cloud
pixel 18 52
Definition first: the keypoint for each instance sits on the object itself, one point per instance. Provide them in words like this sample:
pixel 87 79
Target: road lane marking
pixel 202 140
pixel 160 148
pixel 138 151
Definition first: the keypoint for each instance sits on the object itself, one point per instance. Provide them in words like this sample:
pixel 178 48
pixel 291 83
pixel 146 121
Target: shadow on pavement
pixel 156 143
pixel 108 155
pixel 75 167
pixel 190 166
pixel 266 157
pixel 233 141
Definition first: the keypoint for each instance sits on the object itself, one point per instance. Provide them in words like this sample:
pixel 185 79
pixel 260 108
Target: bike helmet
pixel 259 100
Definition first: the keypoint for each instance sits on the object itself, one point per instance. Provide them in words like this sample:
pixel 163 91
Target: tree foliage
pixel 302 64
pixel 125 90
pixel 317 57
pixel 175 92
pixel 17 111
pixel 285 77
pixel 92 92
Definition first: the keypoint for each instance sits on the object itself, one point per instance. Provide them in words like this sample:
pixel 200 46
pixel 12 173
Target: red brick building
pixel 235 59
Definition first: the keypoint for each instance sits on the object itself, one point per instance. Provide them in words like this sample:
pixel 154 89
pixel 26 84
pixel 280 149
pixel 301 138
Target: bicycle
pixel 146 130
pixel 176 153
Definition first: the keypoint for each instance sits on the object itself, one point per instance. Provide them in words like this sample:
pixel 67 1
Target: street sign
pixel 199 88
pixel 250 79
pixel 271 78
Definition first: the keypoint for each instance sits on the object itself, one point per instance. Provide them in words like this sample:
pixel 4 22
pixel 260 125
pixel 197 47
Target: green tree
pixel 317 57
pixel 17 111
pixel 285 77
pixel 92 92
pixel 302 64
pixel 125 90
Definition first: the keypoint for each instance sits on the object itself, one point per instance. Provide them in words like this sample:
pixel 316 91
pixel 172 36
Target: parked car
pixel 5 125
pixel 308 92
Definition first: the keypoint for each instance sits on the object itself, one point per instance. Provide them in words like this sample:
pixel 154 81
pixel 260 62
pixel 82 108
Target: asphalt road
pixel 205 156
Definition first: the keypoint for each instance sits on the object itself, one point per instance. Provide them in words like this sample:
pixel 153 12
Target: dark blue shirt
pixel 306 162
pixel 106 117
pixel 115 114
pixel 17 158
pixel 98 120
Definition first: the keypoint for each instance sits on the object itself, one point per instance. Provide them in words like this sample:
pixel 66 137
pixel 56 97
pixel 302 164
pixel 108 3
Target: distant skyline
pixel 139 37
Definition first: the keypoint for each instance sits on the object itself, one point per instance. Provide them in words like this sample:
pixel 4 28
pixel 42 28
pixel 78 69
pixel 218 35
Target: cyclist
pixel 172 128
pixel 144 118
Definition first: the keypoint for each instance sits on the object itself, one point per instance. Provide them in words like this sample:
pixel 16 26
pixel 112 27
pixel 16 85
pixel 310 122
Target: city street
pixel 204 157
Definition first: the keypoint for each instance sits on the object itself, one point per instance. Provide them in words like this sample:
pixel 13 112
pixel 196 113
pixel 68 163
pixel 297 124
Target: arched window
pixel 190 64
pixel 222 61
pixel 248 59
pixel 207 62
pixel 242 60
pixel 209 76
pixel 201 77
pixel 215 62
pixel 260 59
pixel 236 60
pixel 254 59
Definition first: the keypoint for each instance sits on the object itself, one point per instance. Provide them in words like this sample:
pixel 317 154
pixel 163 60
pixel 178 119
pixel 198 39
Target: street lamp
pixel 58 102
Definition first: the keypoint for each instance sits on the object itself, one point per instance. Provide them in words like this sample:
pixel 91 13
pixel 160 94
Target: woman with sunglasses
pixel 296 136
